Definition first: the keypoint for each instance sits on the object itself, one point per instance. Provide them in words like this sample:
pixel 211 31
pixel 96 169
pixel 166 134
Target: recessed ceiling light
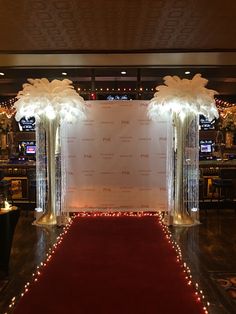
pixel 1 73
pixel 187 72
pixel 64 73
pixel 123 72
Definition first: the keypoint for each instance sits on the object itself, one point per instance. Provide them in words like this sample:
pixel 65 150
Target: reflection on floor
pixel 29 249
pixel 209 249
pixel 227 282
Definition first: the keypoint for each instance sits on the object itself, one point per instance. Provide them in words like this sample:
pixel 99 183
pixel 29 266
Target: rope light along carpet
pixel 111 265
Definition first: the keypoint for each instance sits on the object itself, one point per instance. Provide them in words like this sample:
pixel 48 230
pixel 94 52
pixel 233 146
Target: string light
pixel 6 107
pixel 168 235
pixel 200 297
pixel 179 259
pixel 36 275
pixel 116 214
pixel 222 104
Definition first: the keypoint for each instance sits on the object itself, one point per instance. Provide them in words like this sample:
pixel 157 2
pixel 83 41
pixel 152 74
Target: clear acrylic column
pixel 48 198
pixel 183 169
pixel 191 168
pixel 41 167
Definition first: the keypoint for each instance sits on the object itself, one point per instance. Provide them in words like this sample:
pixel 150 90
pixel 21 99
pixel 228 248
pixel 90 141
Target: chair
pixel 202 195
pixel 223 186
pixel 5 188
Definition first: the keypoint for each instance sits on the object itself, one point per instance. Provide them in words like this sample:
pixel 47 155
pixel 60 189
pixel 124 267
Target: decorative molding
pixel 117 59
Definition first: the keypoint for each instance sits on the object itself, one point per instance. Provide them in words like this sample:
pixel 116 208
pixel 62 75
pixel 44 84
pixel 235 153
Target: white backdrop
pixel 115 159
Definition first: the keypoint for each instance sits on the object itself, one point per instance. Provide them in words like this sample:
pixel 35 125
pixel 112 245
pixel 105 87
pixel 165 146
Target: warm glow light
pixel 186 270
pixel 187 72
pixel 123 72
pixel 229 119
pixel 183 96
pixel 51 100
pixel 64 73
pixel 7 206
pixel 37 274
pixel 2 74
pixel 49 255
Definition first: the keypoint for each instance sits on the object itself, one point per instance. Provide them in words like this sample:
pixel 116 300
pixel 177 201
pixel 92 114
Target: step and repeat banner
pixel 115 159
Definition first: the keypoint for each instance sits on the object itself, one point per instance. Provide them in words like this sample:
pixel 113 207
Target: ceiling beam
pixel 114 59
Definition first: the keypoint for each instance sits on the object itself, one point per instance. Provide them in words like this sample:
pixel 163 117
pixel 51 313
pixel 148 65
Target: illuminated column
pixel 51 103
pixel 186 169
pixel 184 100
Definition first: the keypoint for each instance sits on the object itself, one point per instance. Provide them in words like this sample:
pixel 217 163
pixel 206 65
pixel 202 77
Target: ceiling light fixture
pixel 123 72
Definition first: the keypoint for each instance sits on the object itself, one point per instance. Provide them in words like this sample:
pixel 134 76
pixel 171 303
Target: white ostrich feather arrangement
pixel 183 96
pixel 55 99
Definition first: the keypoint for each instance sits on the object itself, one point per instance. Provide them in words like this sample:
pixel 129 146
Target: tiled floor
pixel 208 248
pixel 30 245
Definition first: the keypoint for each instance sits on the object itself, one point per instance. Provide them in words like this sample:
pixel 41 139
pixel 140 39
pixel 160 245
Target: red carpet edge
pixel 49 257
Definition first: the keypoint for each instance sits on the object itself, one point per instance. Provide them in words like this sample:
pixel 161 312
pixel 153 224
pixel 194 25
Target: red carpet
pixel 106 265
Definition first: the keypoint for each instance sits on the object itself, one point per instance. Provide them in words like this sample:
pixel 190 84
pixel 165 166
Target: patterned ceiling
pixel 57 28
pixel 124 25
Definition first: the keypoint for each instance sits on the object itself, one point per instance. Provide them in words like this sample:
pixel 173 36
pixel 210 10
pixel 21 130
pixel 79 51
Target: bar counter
pixel 22 177
pixel 8 221
pixel 218 163
pixel 217 180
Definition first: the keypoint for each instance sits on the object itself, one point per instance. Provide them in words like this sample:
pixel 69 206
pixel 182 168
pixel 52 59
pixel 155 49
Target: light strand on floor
pixel 117 214
pixel 187 272
pixel 42 265
pixel 51 251
pixel 200 297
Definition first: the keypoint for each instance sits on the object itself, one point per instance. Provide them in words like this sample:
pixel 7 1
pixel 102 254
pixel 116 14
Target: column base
pixel 48 218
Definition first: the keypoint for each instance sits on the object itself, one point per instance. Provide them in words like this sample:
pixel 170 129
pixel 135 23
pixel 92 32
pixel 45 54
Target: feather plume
pixel 55 99
pixel 183 96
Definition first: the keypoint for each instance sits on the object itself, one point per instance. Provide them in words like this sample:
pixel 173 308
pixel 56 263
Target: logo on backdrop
pixel 126 139
pixel 107 156
pixel 88 122
pixel 88 139
pixel 145 139
pixel 144 121
pixel 107 122
pixel 106 139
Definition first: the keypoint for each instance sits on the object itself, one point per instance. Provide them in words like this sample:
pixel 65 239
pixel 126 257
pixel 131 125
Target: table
pixel 8 221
